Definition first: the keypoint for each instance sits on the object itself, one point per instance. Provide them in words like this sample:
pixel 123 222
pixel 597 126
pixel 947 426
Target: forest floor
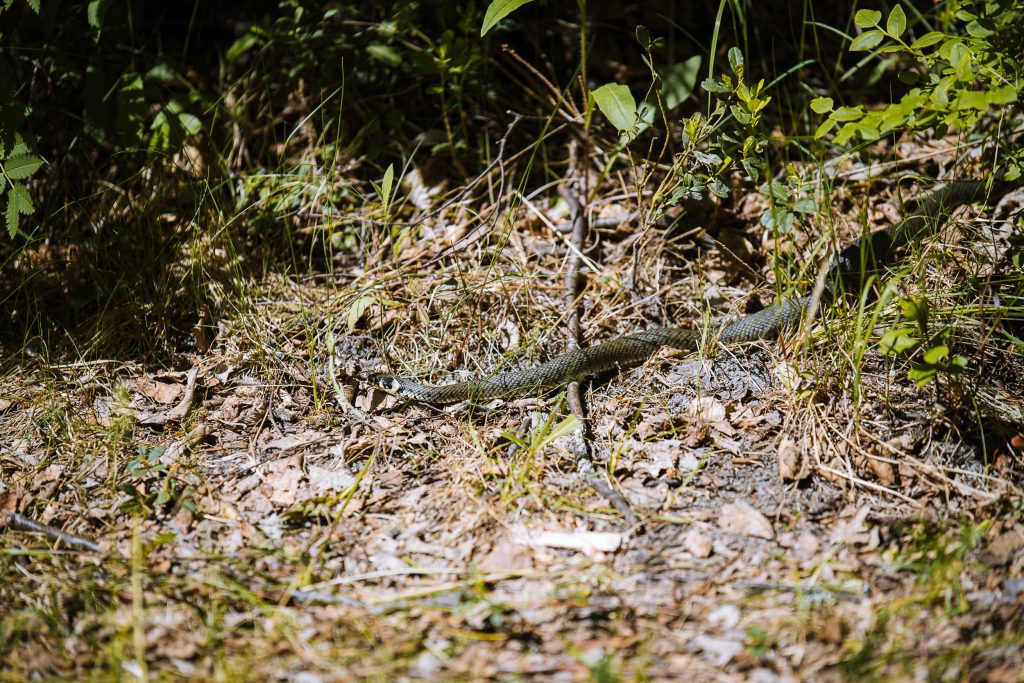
pixel 804 510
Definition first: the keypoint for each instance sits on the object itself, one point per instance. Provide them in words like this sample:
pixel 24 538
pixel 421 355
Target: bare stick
pixel 23 523
pixel 581 446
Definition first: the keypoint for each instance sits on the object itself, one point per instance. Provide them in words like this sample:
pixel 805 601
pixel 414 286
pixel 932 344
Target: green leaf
pixel 563 428
pixel 820 105
pixel 916 309
pixel 21 166
pixel 934 355
pixel 751 168
pixel 498 10
pixel 713 86
pixel 867 17
pixel 1005 95
pixel 826 125
pixel 18 197
pixel 241 46
pixel 94 13
pixel 736 61
pixel 741 114
pixel 719 188
pixel 805 206
pixel 921 376
pixel 12 217
pixel 131 109
pixel 844 114
pixel 972 99
pixel 978 30
pixel 384 53
pixel 357 308
pixel 643 36
pixel 896 24
pixel 678 82
pixel 386 185
pixel 616 102
pixel 898 340
pixel 927 40
pixel 866 40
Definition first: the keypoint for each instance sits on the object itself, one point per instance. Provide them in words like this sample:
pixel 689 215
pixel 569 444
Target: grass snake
pixel 846 272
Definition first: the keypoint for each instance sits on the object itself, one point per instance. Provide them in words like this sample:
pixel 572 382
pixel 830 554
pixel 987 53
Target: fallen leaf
pixel 1003 548
pixel 742 518
pixel 792 465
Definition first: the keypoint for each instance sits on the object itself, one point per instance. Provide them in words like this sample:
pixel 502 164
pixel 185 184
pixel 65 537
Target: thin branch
pixel 20 522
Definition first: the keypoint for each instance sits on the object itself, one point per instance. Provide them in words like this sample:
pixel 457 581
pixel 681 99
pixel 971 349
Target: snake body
pixel 845 273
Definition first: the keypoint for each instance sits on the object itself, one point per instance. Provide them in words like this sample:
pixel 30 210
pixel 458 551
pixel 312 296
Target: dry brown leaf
pixel 883 470
pixel 161 392
pixel 792 465
pixel 742 518
pixel 1003 548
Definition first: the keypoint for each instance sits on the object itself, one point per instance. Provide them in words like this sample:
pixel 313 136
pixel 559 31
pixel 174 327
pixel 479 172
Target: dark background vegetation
pixel 164 125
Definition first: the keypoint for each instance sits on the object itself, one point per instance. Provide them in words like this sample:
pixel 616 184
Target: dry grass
pixel 806 511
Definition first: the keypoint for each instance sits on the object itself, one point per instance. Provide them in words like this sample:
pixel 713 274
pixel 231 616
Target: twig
pixel 23 523
pixel 580 445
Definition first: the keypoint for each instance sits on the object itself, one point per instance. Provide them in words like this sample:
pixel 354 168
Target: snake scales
pixel 845 272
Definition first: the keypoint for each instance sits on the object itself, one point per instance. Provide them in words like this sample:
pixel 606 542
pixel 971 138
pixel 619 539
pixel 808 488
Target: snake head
pixel 386 383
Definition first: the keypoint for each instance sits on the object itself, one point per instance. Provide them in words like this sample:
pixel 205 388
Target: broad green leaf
pixel 867 17
pixel 973 99
pixel 934 355
pixel 616 102
pixel 643 36
pixel 678 82
pixel 19 197
pixel 498 10
pixel 1005 95
pixel 384 53
pixel 94 14
pixel 957 364
pixel 386 185
pixel 916 309
pixel 844 114
pixel 921 376
pixel 896 24
pixel 713 86
pixel 820 105
pixel 978 30
pixel 805 206
pixel 866 40
pixel 241 46
pixel 741 114
pixel 22 166
pixel 34 4
pixel 898 341
pixel 927 40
